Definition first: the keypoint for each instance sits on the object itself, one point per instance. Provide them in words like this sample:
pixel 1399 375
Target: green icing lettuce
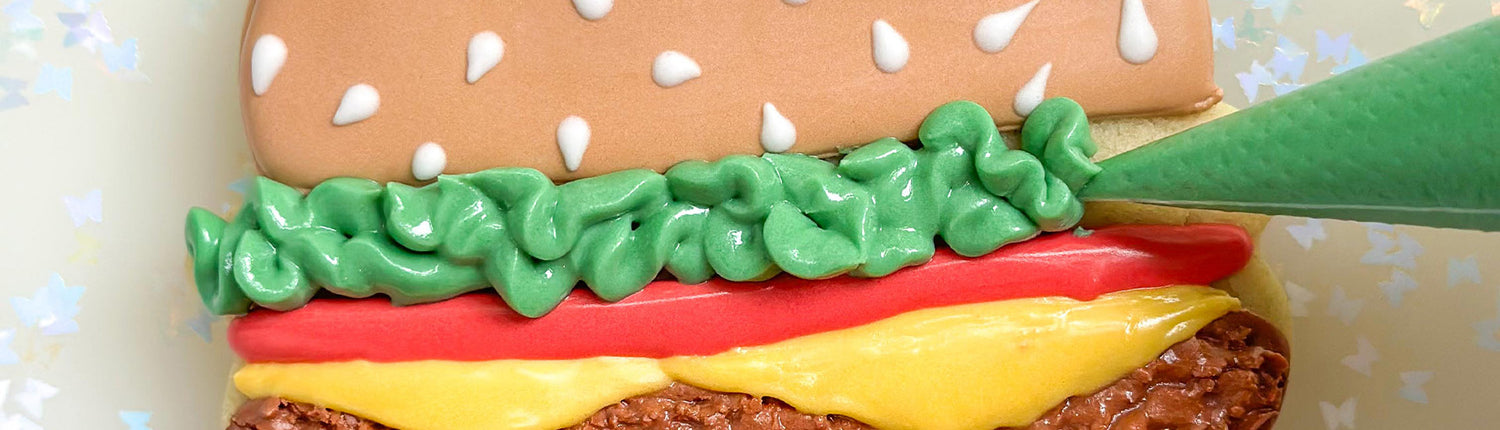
pixel 742 218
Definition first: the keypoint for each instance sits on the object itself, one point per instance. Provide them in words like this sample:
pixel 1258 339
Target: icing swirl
pixel 742 218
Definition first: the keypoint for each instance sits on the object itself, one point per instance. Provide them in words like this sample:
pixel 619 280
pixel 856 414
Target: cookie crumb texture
pixel 1231 376
pixel 282 414
pixel 686 407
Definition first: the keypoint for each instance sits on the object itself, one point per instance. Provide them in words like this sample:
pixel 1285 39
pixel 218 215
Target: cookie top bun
pixel 403 91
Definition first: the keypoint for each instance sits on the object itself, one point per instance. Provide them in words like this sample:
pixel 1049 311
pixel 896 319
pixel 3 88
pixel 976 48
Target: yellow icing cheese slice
pixel 968 367
pixel 450 395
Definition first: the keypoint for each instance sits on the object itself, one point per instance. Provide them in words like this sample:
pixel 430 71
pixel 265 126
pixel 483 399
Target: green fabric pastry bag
pixel 1412 139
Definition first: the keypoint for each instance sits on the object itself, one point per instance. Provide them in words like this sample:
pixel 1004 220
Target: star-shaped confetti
pixel 7 355
pixel 1411 388
pixel 1401 251
pixel 136 420
pixel 197 12
pixel 1288 59
pixel 79 5
pixel 86 208
pixel 10 93
pixel 1335 48
pixel 18 422
pixel 56 80
pixel 1363 358
pixel 51 309
pixel 88 249
pixel 1343 307
pixel 1278 8
pixel 1298 298
pixel 1283 88
pixel 32 395
pixel 1427 10
pixel 1397 287
pixel 19 42
pixel 21 18
pixel 1487 333
pixel 203 324
pixel 1224 33
pixel 1356 59
pixel 1307 234
pixel 241 185
pixel 88 30
pixel 1250 82
pixel 122 58
pixel 1463 270
pixel 1341 415
pixel 1246 30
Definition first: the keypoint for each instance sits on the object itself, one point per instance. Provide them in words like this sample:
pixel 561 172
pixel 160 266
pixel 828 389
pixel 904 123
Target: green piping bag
pixel 1412 139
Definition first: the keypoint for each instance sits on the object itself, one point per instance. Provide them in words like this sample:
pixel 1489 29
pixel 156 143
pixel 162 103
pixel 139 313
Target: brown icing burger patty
pixel 1231 375
pixel 281 414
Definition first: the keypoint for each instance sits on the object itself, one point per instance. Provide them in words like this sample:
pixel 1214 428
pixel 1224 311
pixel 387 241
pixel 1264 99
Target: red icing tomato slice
pixel 668 318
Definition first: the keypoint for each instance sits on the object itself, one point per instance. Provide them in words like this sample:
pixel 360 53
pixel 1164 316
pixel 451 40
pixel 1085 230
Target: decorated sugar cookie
pixel 793 215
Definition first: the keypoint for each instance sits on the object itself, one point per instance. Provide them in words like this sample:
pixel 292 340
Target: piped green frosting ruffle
pixel 742 218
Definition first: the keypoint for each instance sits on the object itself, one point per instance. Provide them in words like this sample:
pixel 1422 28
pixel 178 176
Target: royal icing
pixel 890 49
pixel 965 367
pixel 720 315
pixel 641 125
pixel 1137 36
pixel 573 139
pixel 672 68
pixel 593 10
pixel 360 103
pixel 994 32
pixel 1032 94
pixel 266 59
pixel 485 51
pixel 777 134
pixel 442 240
pixel 428 161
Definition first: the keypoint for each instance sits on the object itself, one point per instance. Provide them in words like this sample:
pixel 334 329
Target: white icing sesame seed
pixel 485 51
pixel 360 103
pixel 428 161
pixel 1031 95
pixel 593 10
pixel 672 68
pixel 795 2
pixel 573 139
pixel 777 134
pixel 890 49
pixel 266 59
pixel 1137 36
pixel 994 32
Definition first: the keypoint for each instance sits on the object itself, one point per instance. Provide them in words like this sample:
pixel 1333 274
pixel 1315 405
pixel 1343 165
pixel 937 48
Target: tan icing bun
pixel 396 73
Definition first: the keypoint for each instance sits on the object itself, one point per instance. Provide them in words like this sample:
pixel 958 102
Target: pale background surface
pixel 163 134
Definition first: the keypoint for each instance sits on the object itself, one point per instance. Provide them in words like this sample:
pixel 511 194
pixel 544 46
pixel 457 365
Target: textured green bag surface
pixel 1412 139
